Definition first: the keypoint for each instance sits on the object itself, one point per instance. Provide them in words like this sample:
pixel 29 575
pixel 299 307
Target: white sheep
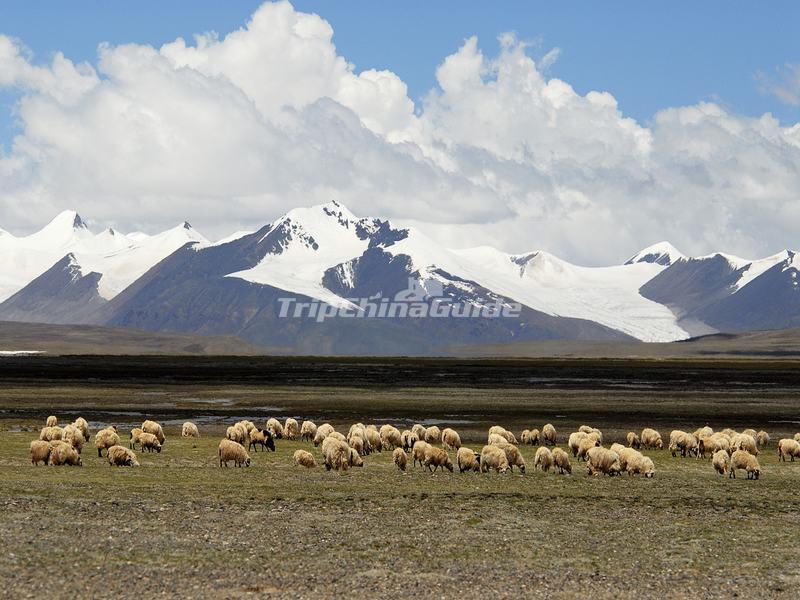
pixel 584 446
pixel 62 453
pixel 493 457
pixel 119 456
pixel 639 464
pixel 450 439
pixel 418 453
pixel 308 430
pixel 189 429
pixel 762 438
pixel 52 421
pixel 468 460
pixel 390 437
pixel 419 431
pixel 40 452
pixel 432 434
pixel 543 459
pixel 720 461
pixel 744 460
pixel 149 442
pixel 650 438
pixel 274 427
pixel 336 454
pixel 744 441
pixel 633 440
pixel 561 461
pixel 374 438
pixel 233 451
pixel 575 439
pixel 73 435
pixel 104 439
pixel 514 456
pixel 549 435
pixel 303 458
pixel 496 439
pixel 400 458
pixel 437 459
pixel 602 460
pixel 788 447
pixel 81 424
pixel 155 429
pixel 136 434
pixel 291 430
pixel 52 433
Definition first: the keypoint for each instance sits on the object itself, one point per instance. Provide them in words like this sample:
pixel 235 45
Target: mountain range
pixel 178 281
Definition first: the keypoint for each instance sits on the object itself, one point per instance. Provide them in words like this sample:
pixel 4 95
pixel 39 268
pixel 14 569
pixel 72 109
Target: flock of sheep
pixel 730 451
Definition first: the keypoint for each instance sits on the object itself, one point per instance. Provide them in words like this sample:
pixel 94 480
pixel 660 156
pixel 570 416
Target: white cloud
pixel 230 131
pixel 784 85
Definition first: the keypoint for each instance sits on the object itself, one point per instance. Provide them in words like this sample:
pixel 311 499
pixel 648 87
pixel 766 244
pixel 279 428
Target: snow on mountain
pixel 119 258
pixel 754 268
pixel 662 253
pixel 308 242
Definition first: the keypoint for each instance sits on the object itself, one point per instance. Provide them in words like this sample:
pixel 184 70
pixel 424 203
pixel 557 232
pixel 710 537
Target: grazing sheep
pixel 703 432
pixel 797 437
pixel 514 456
pixel 504 433
pixel 81 424
pixel 419 431
pixel 742 459
pixel 73 435
pixel 436 458
pixel 651 439
pixel 291 429
pixel 534 437
pixel 639 464
pixel 450 439
pixel 307 431
pixel 712 444
pixel 319 437
pixel 585 429
pixel 40 452
pixel 374 438
pixel 633 440
pixel 418 452
pixel 390 437
pixel 50 434
pixel 720 461
pixel 149 442
pixel 326 429
pixel 493 457
pixel 155 429
pixel 356 442
pixel 728 432
pixel 263 438
pixel 189 429
pixel 544 459
pixel 596 432
pixel 119 456
pixel 788 447
pixel 337 436
pixel 584 446
pixel 468 460
pixel 104 439
pixel 574 441
pixel 495 439
pixel 525 437
pixel 236 433
pixel 624 455
pixel 274 426
pixel 561 461
pixel 744 441
pixel 751 432
pixel 405 437
pixel 602 460
pixel 233 451
pixel 617 447
pixel 400 458
pixel 303 458
pixel 62 453
pixel 355 459
pixel 549 435
pixel 683 442
pixel 762 438
pixel 136 434
pixel 51 421
pixel 336 454
pixel 433 434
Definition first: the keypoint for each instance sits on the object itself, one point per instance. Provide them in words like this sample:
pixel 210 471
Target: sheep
pixel 400 458
pixel 751 432
pixel 742 459
pixel 236 433
pixel 405 437
pixel 189 429
pixel 720 461
pixel 104 439
pixel 437 458
pixel 263 438
pixel 308 430
pixel 561 461
pixel 468 460
pixel 418 452
pixel 355 459
pixel 291 429
pixel 326 429
pixel 62 453
pixel 40 452
pixel 51 421
pixel 493 457
pixel 274 426
pixel 504 433
pixel 651 439
pixel 337 436
pixel 525 437
pixel 625 455
pixel 319 437
pixel 549 435
pixel 356 442
pixel 149 442
pixel 683 442
pixel 585 429
pixel 450 439
pixel 788 447
pixel 74 436
pixel 433 434
pixel 602 460
pixel 584 446
pixel 574 441
pixel 119 456
pixel 639 464
pixel 155 429
pixel 49 434
pixel 303 458
pixel 336 454
pixel 633 440
pixel 390 437
pixel 703 432
pixel 81 424
pixel 513 456
pixel 744 441
pixel 713 443
pixel 617 447
pixel 797 437
pixel 374 438
pixel 247 427
pixel 543 459
pixel 762 438
pixel 495 439
pixel 233 451
pixel 419 431
pixel 136 434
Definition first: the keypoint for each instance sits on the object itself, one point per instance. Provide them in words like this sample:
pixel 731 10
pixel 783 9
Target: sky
pixel 589 130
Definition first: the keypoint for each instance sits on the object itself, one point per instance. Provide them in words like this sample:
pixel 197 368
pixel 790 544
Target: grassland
pixel 181 526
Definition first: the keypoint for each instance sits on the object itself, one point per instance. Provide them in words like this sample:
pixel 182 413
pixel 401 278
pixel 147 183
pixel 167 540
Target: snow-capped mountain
pixel 179 281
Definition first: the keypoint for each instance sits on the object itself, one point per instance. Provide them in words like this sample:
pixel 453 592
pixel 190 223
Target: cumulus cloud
pixel 231 131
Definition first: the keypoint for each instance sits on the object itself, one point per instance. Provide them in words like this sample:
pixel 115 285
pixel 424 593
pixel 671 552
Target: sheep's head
pixel 247 462
pixel 522 468
pixel 477 457
pixel 270 443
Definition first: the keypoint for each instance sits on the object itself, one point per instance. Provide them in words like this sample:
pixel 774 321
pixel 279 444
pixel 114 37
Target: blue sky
pixel 649 55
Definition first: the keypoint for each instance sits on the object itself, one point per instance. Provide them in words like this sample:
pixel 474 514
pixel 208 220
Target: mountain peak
pixel 662 253
pixel 65 220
